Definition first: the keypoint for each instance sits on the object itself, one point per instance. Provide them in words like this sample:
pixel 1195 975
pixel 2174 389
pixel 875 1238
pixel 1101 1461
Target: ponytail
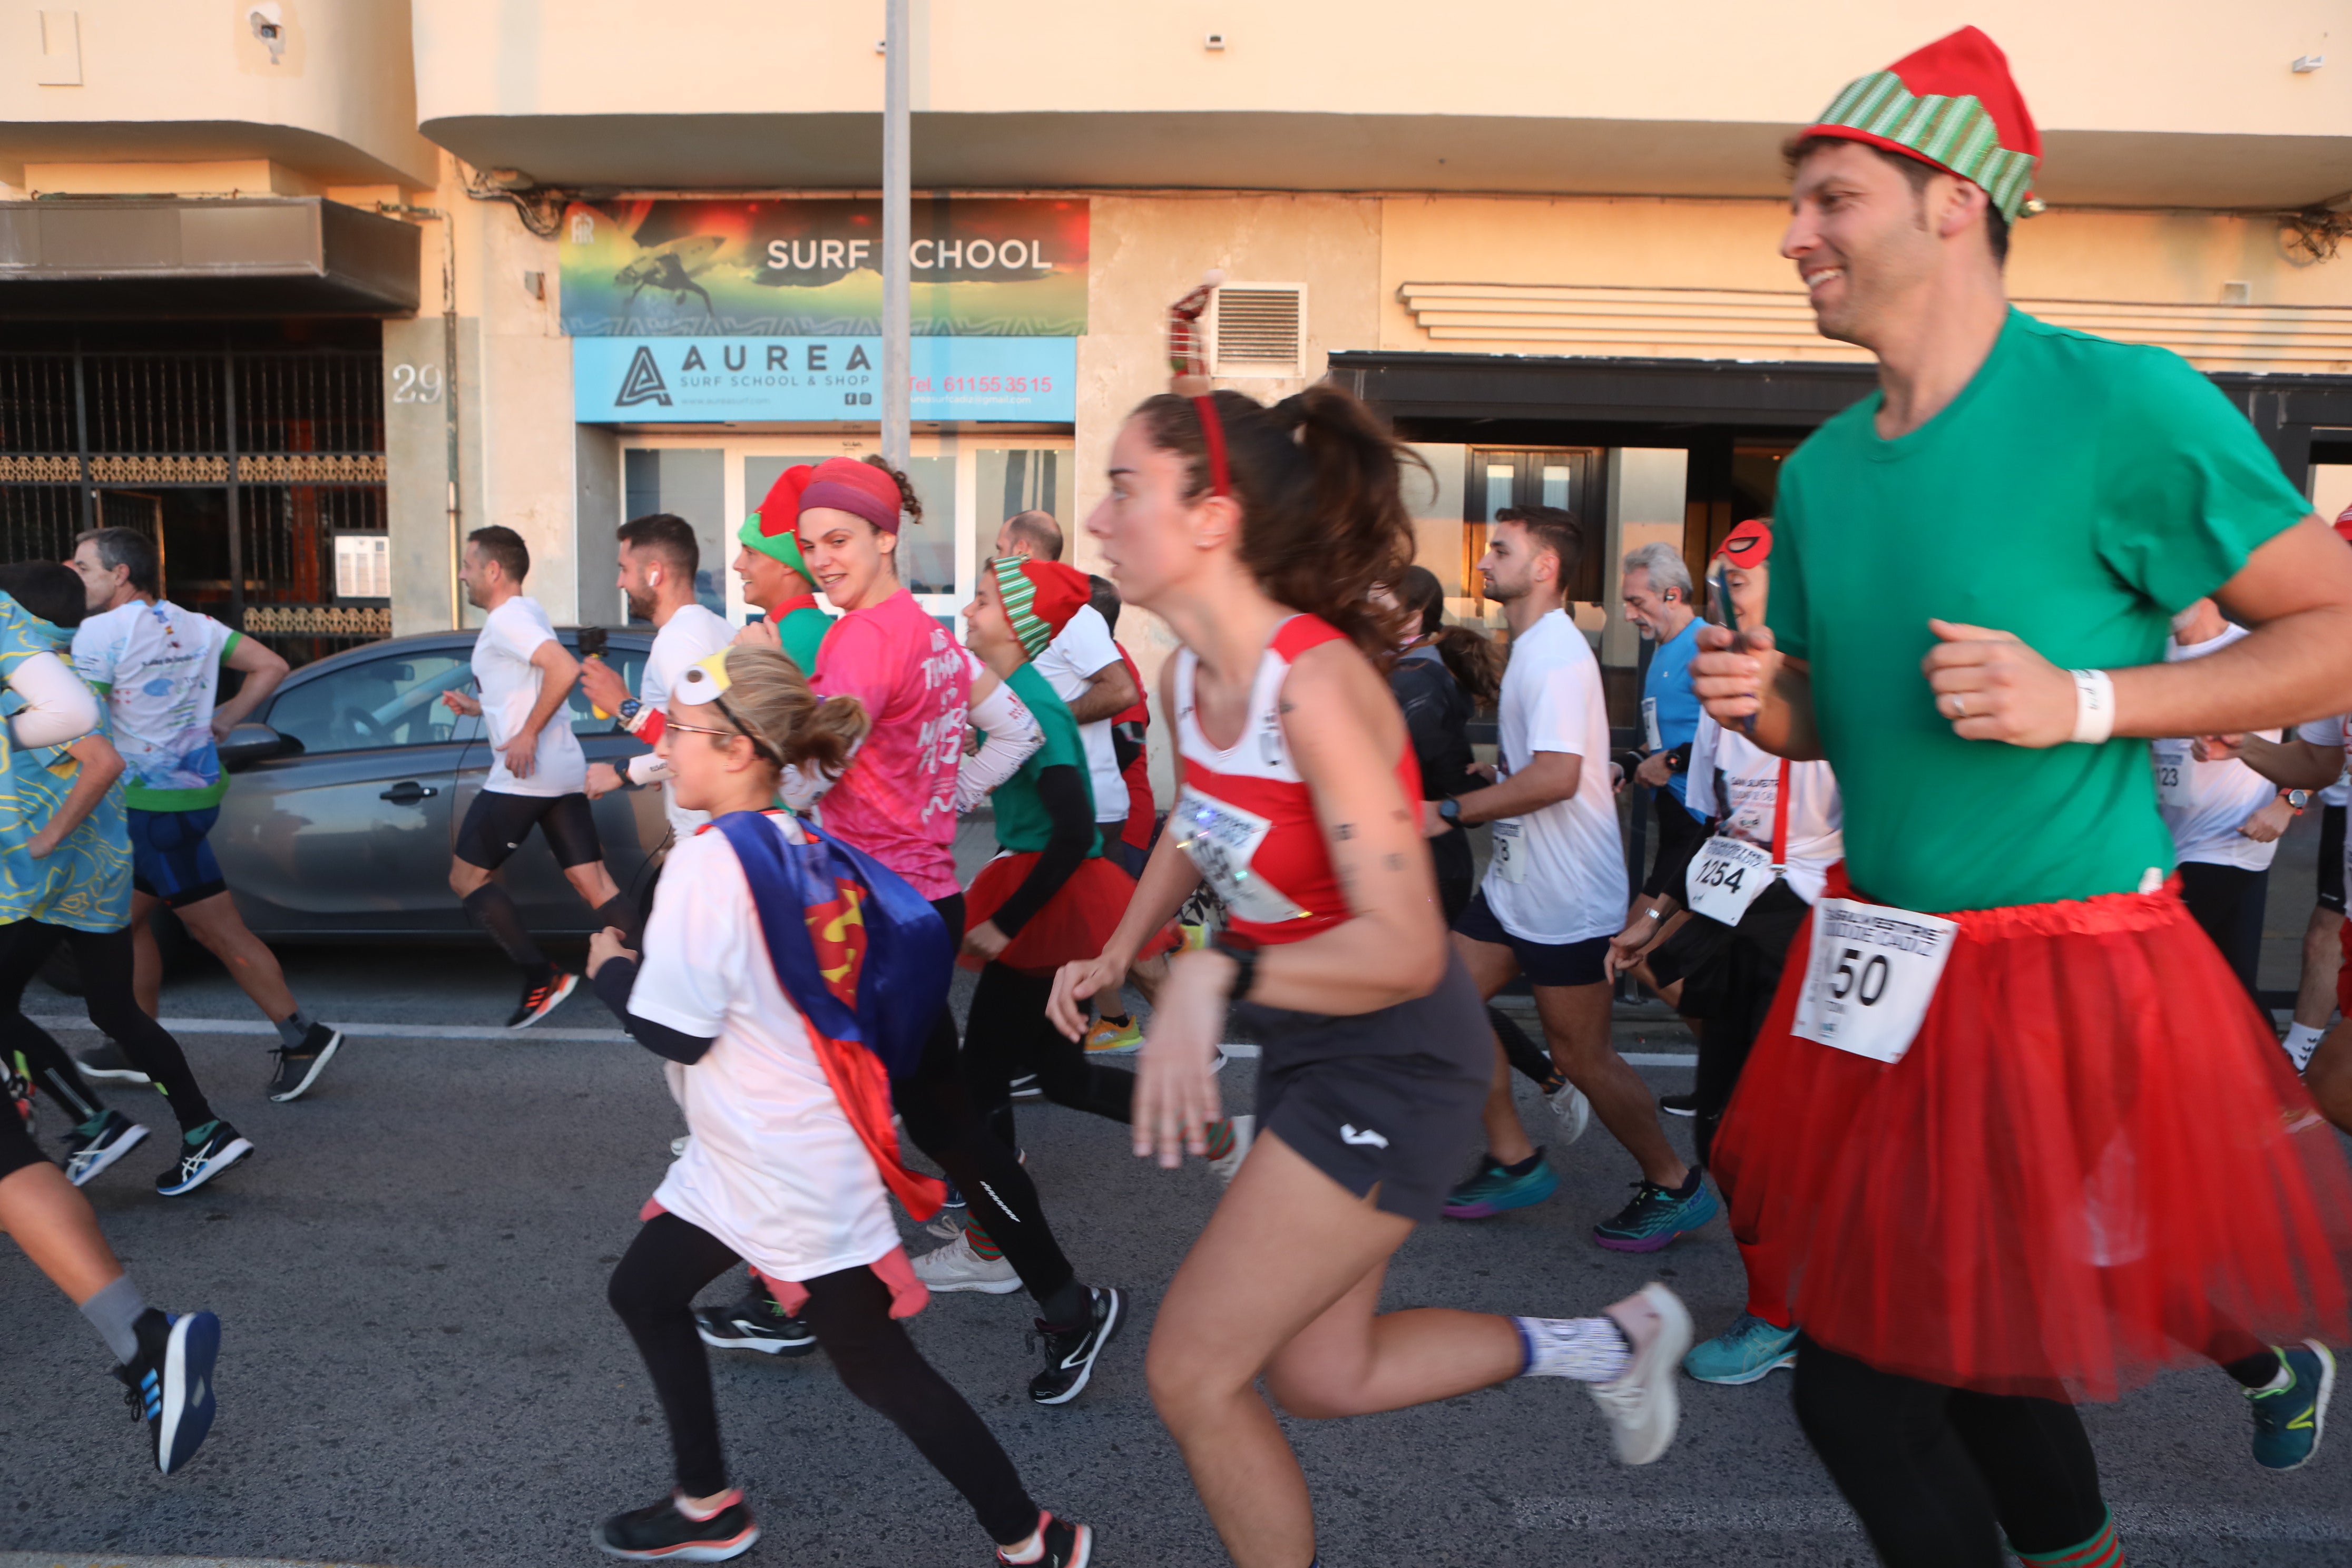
pixel 772 702
pixel 1317 476
pixel 908 501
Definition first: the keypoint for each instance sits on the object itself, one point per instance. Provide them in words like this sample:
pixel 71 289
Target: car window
pixel 393 701
pixel 631 664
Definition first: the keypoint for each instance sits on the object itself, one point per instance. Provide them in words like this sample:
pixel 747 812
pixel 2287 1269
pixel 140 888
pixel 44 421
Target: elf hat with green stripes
pixel 1953 106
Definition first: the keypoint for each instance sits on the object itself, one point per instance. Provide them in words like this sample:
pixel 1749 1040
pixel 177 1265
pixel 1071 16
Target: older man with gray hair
pixel 1658 596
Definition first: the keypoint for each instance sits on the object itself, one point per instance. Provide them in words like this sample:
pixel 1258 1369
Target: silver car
pixel 351 782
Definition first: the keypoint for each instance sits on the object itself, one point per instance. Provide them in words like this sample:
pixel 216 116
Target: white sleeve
pixel 694 942
pixel 58 707
pixel 1701 790
pixel 647 769
pixel 1086 643
pixel 1012 738
pixel 2321 732
pixel 1559 705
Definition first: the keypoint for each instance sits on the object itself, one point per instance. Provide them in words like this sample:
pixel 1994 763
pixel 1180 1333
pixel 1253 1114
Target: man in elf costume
pixel 2023 1136
pixel 776 576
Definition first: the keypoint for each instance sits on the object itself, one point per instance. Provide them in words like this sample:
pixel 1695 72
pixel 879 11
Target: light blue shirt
pixel 1669 706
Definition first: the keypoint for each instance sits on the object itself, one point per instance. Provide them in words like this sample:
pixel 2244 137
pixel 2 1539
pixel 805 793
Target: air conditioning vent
pixel 1261 329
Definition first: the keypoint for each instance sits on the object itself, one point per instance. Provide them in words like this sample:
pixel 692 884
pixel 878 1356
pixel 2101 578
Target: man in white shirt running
pixel 660 557
pixel 1083 667
pixel 1555 893
pixel 158 665
pixel 523 675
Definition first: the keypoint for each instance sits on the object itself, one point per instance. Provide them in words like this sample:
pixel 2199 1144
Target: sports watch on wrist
pixel 1449 810
pixel 2297 798
pixel 1244 965
pixel 630 709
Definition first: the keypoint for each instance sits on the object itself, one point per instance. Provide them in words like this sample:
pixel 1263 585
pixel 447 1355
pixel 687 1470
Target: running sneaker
pixel 955 1267
pixel 106 1061
pixel 1025 1088
pixel 1657 1217
pixel 1495 1190
pixel 665 1530
pixel 87 1156
pixel 222 1147
pixel 1070 1352
pixel 949 1223
pixel 1575 1113
pixel 1750 1351
pixel 1678 1104
pixel 2288 1420
pixel 299 1066
pixel 755 1324
pixel 169 1384
pixel 541 998
pixel 1067 1545
pixel 1642 1405
pixel 1245 1133
pixel 1108 1039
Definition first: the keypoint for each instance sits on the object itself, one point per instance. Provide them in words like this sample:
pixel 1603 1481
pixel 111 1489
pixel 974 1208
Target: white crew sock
pixel 1590 1350
pixel 2302 1039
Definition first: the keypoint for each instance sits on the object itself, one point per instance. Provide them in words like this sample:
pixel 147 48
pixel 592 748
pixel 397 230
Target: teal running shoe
pixel 1495 1190
pixel 1749 1352
pixel 1657 1217
pixel 2289 1420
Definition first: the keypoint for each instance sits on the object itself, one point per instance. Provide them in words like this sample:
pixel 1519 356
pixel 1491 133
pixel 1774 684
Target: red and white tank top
pixel 1247 818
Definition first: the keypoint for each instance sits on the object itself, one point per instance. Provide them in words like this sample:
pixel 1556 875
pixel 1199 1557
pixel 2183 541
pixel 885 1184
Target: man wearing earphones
pixel 1658 596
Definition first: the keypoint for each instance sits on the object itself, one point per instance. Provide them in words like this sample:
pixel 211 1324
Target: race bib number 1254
pixel 1872 974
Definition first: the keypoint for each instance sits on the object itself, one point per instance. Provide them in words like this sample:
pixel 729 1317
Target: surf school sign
pixel 704 380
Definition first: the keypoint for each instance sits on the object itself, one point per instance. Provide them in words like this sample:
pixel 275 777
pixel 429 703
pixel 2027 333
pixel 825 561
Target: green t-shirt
pixel 2076 493
pixel 1023 824
pixel 801 633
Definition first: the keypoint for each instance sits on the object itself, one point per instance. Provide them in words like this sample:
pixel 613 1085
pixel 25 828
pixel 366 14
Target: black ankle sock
pixel 2258 1371
pixel 1524 1166
pixel 1117 1020
pixel 1690 1184
pixel 620 912
pixel 1071 1307
pixel 491 907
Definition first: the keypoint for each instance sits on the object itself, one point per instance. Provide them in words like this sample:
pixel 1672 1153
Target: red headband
pixel 1190 364
pixel 862 490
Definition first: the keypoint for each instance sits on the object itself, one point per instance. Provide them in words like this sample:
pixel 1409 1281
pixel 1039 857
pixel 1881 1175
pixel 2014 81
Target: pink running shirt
pixel 897 801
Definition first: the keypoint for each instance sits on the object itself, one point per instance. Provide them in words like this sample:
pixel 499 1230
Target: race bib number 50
pixel 1872 974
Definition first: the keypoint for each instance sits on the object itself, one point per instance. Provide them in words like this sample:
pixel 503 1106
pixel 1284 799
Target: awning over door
pixel 166 257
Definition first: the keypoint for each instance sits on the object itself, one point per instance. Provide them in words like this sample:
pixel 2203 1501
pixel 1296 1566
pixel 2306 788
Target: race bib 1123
pixel 1870 977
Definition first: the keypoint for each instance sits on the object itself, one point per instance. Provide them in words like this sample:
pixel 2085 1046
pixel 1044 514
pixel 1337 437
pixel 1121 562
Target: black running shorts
pixel 1388 1099
pixel 1543 962
pixel 497 824
pixel 1695 944
pixel 2331 858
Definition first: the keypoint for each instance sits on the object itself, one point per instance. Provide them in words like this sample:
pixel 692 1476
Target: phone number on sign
pixel 984 383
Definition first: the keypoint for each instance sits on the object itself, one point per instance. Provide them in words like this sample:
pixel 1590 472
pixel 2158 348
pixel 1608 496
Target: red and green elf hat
pixel 1954 107
pixel 773 528
pixel 1040 598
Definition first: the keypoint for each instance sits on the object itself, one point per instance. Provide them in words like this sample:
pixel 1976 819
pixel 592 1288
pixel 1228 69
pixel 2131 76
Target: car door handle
pixel 408 792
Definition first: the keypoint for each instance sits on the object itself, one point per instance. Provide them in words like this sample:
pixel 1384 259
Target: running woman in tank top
pixel 1256 533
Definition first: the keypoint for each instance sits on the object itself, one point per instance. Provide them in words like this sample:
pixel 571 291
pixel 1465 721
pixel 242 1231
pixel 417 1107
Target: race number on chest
pixel 1872 974
pixel 1510 846
pixel 2172 761
pixel 1223 839
pixel 1726 877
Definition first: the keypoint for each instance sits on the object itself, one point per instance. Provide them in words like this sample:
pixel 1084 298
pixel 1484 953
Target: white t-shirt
pixel 691 635
pixel 510 685
pixel 1068 662
pixel 775 1170
pixel 2336 732
pixel 1559 874
pixel 159 665
pixel 1751 781
pixel 2203 803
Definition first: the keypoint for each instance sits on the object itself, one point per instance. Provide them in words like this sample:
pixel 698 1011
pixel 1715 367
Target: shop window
pixel 692 483
pixel 1015 480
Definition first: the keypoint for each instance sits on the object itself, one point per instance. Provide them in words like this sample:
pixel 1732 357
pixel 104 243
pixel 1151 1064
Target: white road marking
pixel 1829 1516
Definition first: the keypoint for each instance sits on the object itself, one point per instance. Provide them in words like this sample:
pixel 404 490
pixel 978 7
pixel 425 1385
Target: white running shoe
pixel 1245 1134
pixel 1643 1406
pixel 1575 1111
pixel 955 1267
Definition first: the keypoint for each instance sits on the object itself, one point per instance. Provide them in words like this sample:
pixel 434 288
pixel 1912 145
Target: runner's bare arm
pixel 1549 778
pixel 558 671
pixel 1110 691
pixel 1742 676
pixel 263 668
pixel 2296 592
pixel 2296 763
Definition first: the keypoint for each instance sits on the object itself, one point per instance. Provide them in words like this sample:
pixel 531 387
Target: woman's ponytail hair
pixel 1317 479
pixel 908 501
pixel 772 702
pixel 1473 659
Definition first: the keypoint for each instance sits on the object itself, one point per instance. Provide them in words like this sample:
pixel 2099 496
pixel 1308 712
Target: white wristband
pixel 2095 706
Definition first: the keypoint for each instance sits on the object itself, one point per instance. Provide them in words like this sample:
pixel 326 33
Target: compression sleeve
pixel 613 984
pixel 58 707
pixel 1012 738
pixel 1062 790
pixel 647 769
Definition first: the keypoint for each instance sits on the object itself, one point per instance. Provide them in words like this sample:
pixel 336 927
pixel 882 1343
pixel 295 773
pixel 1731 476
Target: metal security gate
pixel 253 459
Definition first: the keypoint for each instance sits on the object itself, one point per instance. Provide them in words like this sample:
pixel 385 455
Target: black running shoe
pixel 1070 1352
pixel 1678 1104
pixel 169 1384
pixel 106 1061
pixel 299 1066
pixel 1067 1545
pixel 223 1146
pixel 117 1135
pixel 1025 1088
pixel 754 1323
pixel 663 1531
pixel 541 998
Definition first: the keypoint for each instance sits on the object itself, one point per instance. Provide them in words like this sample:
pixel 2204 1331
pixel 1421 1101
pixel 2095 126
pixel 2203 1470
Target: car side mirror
pixel 252 743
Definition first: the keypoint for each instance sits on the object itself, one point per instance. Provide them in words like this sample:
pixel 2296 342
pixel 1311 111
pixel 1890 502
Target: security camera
pixel 267 21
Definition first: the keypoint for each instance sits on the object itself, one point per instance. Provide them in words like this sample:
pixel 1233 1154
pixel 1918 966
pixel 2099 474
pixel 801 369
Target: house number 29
pixel 416 383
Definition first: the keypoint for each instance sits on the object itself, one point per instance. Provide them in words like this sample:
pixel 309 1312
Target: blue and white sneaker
pixel 1494 1190
pixel 87 1156
pixel 2290 1418
pixel 170 1385
pixel 1657 1216
pixel 1750 1351
pixel 223 1146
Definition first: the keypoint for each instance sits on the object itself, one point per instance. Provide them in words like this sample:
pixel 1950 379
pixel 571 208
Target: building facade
pixel 312 287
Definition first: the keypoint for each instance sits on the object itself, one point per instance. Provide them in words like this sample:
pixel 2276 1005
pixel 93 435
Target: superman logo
pixel 838 930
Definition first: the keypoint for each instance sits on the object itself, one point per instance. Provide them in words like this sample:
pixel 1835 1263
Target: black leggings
pixel 2228 902
pixel 104 960
pixel 942 1119
pixel 1009 1033
pixel 652 1290
pixel 1940 1475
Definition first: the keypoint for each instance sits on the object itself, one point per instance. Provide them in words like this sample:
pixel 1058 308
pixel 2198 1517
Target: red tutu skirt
pixel 1073 924
pixel 2094 1163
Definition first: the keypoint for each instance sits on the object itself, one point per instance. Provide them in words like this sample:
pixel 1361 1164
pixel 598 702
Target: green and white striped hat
pixel 1953 106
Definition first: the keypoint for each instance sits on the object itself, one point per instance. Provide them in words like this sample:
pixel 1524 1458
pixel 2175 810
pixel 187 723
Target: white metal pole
pixel 897 361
